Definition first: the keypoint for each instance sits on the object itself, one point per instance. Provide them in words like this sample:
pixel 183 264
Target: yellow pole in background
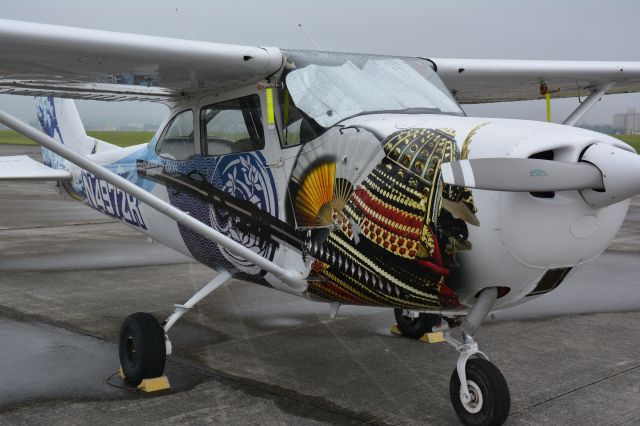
pixel 271 119
pixel 544 91
pixel 548 97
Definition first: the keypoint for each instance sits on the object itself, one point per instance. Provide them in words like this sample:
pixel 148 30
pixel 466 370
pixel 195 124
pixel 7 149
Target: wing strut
pixel 586 105
pixel 293 279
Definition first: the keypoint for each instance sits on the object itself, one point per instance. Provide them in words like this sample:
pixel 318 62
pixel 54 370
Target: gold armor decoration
pixel 428 149
pixel 466 146
pixel 420 150
pixel 389 211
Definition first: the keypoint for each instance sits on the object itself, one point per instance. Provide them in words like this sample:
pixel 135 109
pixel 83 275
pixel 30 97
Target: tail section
pixel 60 120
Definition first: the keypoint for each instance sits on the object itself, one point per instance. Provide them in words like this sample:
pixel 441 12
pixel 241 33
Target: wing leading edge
pixel 50 60
pixel 475 81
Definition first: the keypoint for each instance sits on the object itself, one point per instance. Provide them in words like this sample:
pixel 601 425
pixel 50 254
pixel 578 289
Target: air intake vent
pixel 550 281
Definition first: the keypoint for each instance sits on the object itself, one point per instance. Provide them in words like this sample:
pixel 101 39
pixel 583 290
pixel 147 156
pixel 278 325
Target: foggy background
pixel 541 29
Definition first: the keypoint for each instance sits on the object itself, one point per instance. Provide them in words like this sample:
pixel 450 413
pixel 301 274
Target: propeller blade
pixel 522 175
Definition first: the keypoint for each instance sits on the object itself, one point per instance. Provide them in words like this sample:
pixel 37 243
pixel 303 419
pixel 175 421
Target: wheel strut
pixel 179 310
pixel 468 347
pixel 144 344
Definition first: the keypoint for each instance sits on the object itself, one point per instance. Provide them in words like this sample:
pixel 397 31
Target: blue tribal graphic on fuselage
pixel 243 176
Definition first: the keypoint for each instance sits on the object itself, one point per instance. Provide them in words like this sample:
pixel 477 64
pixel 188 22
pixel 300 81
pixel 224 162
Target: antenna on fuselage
pixel 184 25
pixel 309 37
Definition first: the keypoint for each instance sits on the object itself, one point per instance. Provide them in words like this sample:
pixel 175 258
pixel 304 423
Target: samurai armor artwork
pixel 393 244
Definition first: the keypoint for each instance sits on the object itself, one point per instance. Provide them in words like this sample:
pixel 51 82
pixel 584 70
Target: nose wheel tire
pixel 414 326
pixel 142 348
pixel 489 401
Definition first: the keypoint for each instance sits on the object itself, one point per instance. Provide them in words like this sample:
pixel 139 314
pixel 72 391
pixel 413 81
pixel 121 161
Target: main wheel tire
pixel 142 348
pixel 490 398
pixel 415 327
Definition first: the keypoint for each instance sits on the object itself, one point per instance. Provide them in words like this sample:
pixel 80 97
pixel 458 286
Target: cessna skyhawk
pixel 341 178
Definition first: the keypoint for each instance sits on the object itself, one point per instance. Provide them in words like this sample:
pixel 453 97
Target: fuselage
pixel 272 201
pixel 332 169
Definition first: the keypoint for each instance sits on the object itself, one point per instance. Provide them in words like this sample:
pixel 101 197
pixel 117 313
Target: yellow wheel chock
pixel 150 385
pixel 436 337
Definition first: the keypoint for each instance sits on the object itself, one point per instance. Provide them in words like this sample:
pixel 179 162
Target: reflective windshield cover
pixel 330 87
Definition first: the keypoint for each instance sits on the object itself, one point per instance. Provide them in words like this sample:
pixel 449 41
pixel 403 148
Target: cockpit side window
pixel 296 127
pixel 232 126
pixel 177 143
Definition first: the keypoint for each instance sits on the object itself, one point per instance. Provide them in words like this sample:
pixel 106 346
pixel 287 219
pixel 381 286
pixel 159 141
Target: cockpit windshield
pixel 330 87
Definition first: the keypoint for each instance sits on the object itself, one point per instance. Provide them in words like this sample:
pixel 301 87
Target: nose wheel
pixel 487 401
pixel 478 390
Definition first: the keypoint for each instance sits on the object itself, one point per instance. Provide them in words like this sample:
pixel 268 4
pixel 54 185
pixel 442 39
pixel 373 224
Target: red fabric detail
pixel 365 200
pixel 448 298
pixel 444 272
pixel 437 256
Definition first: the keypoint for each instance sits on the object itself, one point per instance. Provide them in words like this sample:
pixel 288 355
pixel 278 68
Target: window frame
pixel 278 101
pixel 280 118
pixel 166 128
pixel 204 146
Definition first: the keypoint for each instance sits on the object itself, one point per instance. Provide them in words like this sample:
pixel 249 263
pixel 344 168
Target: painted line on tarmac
pixel 595 382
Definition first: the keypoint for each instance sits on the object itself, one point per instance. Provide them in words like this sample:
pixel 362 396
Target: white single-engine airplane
pixel 341 178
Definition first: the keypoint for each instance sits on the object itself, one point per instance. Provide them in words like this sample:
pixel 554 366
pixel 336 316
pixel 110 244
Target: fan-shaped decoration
pixel 326 172
pixel 314 200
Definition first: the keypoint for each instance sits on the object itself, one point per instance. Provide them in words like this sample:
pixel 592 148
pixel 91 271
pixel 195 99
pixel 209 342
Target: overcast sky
pixel 522 29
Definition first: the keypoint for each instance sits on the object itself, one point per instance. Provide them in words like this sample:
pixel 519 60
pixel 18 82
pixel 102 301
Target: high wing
pixel 475 81
pixel 50 60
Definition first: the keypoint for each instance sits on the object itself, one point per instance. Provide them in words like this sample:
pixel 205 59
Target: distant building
pixel 628 123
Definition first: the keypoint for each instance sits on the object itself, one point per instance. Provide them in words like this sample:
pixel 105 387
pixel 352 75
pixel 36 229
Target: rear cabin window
pixel 232 126
pixel 177 143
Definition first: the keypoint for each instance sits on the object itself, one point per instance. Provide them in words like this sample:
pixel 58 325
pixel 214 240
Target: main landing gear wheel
pixel 490 400
pixel 142 348
pixel 415 326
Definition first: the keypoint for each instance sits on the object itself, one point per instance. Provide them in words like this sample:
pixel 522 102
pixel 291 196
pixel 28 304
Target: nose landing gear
pixel 478 390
